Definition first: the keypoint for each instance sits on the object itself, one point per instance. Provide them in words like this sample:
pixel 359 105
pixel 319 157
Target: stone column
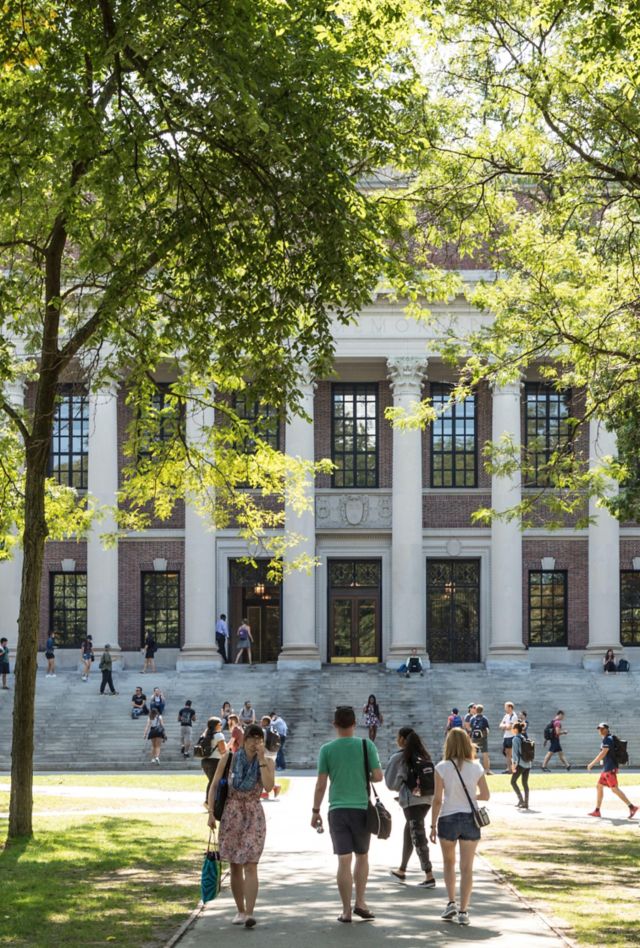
pixel 299 639
pixel 604 559
pixel 199 652
pixel 102 564
pixel 408 577
pixel 505 641
pixel 11 570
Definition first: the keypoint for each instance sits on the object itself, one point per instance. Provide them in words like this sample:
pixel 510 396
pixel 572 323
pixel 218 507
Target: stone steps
pixel 77 729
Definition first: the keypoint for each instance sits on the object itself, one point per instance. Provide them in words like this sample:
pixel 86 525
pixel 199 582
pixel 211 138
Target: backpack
pixel 619 750
pixel 549 731
pixel 242 632
pixel 421 776
pixel 415 665
pixel 272 740
pixel 455 721
pixel 477 731
pixel 185 718
pixel 527 750
pixel 623 665
pixel 202 747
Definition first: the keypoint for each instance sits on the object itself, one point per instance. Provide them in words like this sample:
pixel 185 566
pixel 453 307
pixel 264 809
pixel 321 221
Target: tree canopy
pixel 534 173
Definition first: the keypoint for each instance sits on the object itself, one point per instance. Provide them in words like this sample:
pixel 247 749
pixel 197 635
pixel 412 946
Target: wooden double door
pixel 354 611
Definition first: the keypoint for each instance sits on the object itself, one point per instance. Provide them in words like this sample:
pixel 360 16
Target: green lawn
pixel 584 877
pixel 86 882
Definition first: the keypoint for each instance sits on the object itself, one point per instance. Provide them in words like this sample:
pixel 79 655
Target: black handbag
pixel 480 813
pixel 378 817
pixel 223 791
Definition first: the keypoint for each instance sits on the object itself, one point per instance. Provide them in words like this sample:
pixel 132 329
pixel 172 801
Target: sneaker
pixel 53 676
pixel 276 789
pixel 450 912
pixel 264 795
pixel 568 766
pixel 463 918
pixel 632 811
pixel 545 770
pixel 596 812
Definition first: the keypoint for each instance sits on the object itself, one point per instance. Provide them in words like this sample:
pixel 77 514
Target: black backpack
pixel 202 747
pixel 620 752
pixel 421 775
pixel 477 732
pixel 527 750
pixel 549 731
pixel 272 740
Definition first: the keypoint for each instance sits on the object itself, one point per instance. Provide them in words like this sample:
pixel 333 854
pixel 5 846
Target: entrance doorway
pixel 453 610
pixel 354 611
pixel 252 595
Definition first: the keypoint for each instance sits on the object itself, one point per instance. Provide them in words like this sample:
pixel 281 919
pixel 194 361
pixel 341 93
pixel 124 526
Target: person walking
pixel 454 720
pixel 609 775
pixel 155 732
pixel 506 726
pixel 554 743
pixel 372 716
pixel 280 725
pixel 222 636
pixel 106 667
pixel 479 733
pixel 186 717
pixel 50 655
pixel 405 773
pixel 520 767
pixel 243 827
pixel 460 784
pixel 471 710
pixel 247 714
pixel 245 639
pixel 86 653
pixel 4 662
pixel 267 728
pixel 342 764
pixel 149 650
pixel 214 747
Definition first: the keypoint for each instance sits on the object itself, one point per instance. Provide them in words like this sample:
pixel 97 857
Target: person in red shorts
pixel 609 775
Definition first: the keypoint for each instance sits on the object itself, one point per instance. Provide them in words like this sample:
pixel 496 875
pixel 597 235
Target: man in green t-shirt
pixel 341 762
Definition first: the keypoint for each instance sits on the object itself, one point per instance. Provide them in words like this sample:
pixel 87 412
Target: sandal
pixel 341 918
pixel 363 913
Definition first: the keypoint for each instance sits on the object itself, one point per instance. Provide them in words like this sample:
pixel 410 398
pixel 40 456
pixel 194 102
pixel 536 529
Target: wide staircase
pixel 77 729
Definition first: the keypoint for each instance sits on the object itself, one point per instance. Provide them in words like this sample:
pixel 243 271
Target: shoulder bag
pixel 223 790
pixel 378 817
pixel 480 813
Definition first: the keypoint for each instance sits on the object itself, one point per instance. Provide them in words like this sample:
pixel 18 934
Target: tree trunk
pixel 35 534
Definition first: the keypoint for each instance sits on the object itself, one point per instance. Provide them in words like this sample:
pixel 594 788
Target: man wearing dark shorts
pixel 609 775
pixel 341 763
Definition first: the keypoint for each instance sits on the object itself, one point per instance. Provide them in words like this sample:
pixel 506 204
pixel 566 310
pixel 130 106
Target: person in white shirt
pixel 280 725
pixel 506 726
pixel 222 636
pixel 460 783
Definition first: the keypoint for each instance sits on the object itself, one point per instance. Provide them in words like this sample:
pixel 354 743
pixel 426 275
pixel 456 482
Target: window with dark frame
pixel 547 428
pixel 68 608
pixel 166 416
pixel 453 440
pixel 161 607
pixel 547 607
pixel 630 607
pixel 354 434
pixel 263 419
pixel 69 458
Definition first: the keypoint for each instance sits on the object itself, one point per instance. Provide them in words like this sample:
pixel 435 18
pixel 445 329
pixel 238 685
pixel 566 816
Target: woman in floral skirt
pixel 243 827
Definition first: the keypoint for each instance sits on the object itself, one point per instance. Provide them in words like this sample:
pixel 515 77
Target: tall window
pixel 453 440
pixel 547 607
pixel 630 607
pixel 161 607
pixel 263 419
pixel 355 435
pixel 69 461
pixel 162 418
pixel 68 608
pixel 547 428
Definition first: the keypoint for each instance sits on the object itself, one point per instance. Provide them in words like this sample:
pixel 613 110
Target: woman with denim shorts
pixel 452 815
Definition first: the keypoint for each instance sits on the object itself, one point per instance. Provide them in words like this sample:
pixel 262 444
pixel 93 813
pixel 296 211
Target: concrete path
pixel 298 900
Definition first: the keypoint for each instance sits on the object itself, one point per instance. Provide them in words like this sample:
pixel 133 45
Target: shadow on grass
pixel 100 877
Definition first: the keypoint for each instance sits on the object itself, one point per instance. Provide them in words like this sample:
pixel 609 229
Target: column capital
pixel 514 387
pixel 406 374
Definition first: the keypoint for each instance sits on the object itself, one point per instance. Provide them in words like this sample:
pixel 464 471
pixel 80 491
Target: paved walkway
pixel 298 900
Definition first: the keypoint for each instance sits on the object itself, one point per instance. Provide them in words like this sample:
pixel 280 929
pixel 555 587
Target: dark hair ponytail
pixel 413 746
